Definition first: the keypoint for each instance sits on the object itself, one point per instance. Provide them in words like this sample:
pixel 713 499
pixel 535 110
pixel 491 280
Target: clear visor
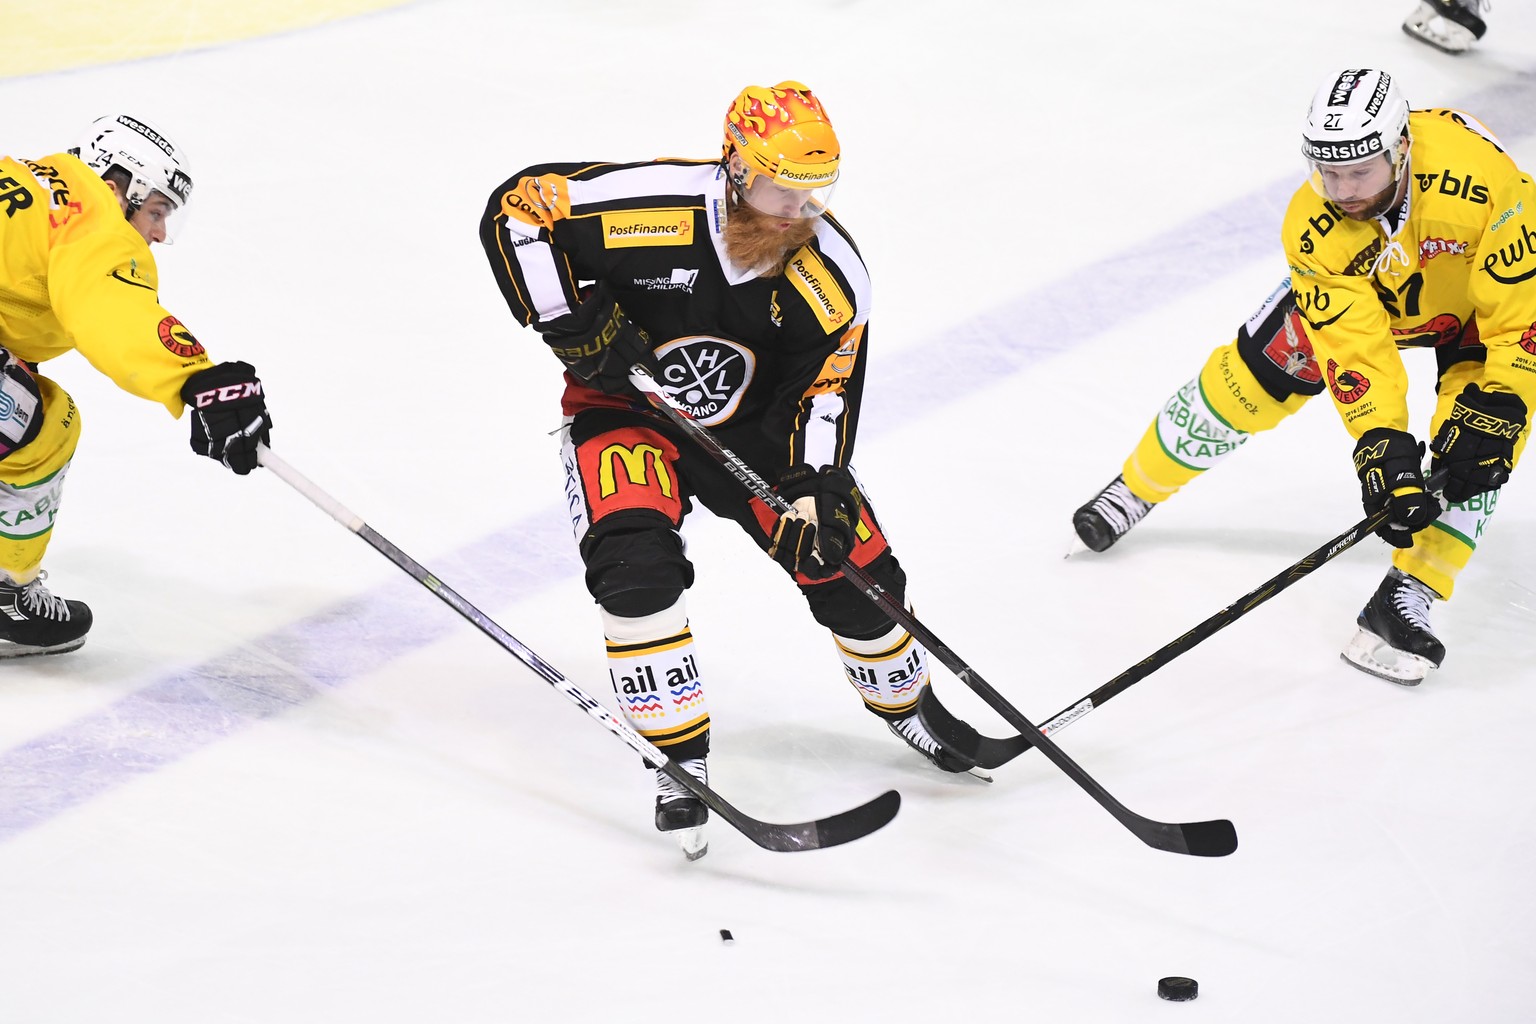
pixel 776 197
pixel 1353 182
pixel 159 219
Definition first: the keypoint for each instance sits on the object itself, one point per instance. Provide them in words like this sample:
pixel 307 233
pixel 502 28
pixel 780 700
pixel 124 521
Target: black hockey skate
pixel 915 733
pixel 1451 26
pixel 34 621
pixel 1109 516
pixel 1394 641
pixel 680 812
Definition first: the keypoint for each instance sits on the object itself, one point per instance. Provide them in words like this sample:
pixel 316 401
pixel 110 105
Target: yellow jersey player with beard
pixel 748 302
pixel 1415 231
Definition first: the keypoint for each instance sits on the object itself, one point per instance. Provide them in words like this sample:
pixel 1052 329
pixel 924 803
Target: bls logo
pixel 1451 185
pixel 708 376
pixel 1323 224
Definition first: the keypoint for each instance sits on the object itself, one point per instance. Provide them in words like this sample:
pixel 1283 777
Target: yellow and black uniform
pixel 1452 268
pixel 771 361
pixel 74 274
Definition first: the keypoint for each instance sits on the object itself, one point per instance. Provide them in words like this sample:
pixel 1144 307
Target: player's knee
pixel 1276 352
pixel 845 610
pixel 635 564
pixel 1237 394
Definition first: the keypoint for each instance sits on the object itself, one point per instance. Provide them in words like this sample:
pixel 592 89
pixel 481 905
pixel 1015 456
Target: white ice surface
pixel 282 782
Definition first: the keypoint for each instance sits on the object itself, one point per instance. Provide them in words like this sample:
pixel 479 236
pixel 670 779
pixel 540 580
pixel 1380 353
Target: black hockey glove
pixel 599 344
pixel 229 414
pixel 817 537
pixel 1387 462
pixel 1476 443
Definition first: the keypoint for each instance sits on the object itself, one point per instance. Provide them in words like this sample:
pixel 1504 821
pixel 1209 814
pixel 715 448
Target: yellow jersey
pixel 1454 265
pixel 74 274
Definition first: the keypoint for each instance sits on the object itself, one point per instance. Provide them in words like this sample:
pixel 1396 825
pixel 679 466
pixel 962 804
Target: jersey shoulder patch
pixel 813 279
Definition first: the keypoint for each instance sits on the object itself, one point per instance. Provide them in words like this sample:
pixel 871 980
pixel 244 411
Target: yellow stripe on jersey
pixel 838 367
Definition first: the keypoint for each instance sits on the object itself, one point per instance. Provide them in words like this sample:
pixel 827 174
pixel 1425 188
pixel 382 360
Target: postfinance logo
pixel 814 281
pixel 647 227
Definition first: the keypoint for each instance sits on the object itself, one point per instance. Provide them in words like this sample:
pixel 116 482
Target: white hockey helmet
pixel 152 162
pixel 1356 115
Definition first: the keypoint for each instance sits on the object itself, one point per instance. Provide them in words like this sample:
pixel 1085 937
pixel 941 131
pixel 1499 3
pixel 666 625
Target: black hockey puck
pixel 1179 990
pixel 726 936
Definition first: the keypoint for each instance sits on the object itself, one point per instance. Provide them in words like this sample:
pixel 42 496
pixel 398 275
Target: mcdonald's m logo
pixel 633 461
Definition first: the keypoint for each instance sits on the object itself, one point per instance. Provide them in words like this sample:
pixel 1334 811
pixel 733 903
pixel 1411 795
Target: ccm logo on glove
pixel 227 393
pixel 229 414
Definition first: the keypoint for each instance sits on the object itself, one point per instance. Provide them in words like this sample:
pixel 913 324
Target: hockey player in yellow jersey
pixel 1416 230
pixel 76 273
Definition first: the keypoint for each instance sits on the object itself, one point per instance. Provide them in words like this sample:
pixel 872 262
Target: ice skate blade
pixel 1371 654
pixel 692 841
pixel 13 650
pixel 1444 46
pixel 1430 27
pixel 978 773
pixel 1076 547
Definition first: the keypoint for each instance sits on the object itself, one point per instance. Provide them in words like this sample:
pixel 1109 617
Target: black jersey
pixel 774 365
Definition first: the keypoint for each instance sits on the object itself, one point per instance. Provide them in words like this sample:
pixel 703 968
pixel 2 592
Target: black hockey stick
pixel 1201 633
pixel 1200 838
pixel 809 835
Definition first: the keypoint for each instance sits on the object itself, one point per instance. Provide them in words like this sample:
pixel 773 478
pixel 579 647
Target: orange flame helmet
pixel 783 133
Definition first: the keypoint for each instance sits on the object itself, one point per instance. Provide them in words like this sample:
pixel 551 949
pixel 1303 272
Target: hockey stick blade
pixel 1197 838
pixel 807 835
pixel 810 835
pixel 819 834
pixel 961 739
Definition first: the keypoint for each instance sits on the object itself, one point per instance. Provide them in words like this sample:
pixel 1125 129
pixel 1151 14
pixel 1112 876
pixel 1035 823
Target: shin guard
pixel 1443 549
pixel 655 675
pixel 32 482
pixel 889 671
pixel 1247 386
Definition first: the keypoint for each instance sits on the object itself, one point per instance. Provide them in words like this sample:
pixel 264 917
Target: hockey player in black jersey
pixel 729 280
